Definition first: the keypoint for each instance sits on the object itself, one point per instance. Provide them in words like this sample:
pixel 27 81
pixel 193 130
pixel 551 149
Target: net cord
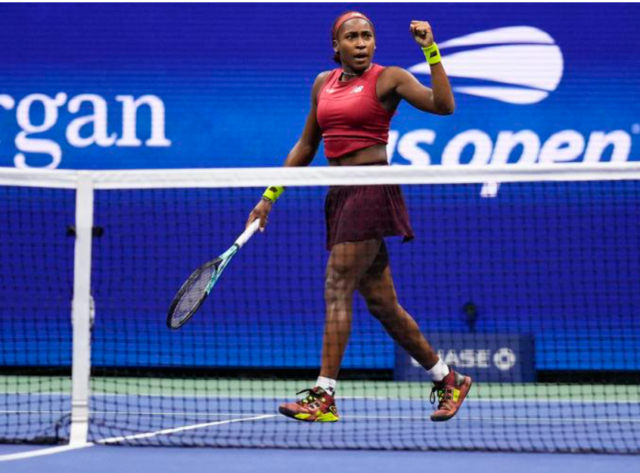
pixel 319 176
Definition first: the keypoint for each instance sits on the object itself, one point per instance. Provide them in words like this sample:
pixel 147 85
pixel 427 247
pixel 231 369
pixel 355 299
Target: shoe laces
pixel 312 396
pixel 443 393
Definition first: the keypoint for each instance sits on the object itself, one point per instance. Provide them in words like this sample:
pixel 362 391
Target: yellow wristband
pixel 432 54
pixel 273 192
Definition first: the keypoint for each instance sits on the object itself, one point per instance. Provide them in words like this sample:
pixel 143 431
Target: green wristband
pixel 273 192
pixel 432 54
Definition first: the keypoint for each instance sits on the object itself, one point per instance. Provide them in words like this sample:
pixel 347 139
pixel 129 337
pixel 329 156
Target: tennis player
pixel 351 110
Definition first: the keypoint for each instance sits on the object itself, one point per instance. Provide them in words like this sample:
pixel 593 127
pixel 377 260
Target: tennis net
pixel 530 286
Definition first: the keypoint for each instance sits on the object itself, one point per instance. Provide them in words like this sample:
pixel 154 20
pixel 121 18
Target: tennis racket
pixel 195 290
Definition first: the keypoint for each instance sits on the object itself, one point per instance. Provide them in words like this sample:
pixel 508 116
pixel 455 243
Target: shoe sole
pixel 327 417
pixel 460 401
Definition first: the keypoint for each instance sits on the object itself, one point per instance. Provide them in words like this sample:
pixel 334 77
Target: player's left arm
pixel 439 98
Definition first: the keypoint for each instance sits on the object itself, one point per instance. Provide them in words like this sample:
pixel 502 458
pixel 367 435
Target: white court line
pixel 369 398
pixel 402 417
pixel 532 400
pixel 494 419
pixel 146 413
pixel 546 420
pixel 67 448
pixel 179 429
pixel 43 452
pixel 179 414
pixel 261 415
pixel 128 413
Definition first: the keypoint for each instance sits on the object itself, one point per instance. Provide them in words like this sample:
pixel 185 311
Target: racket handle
pixel 248 233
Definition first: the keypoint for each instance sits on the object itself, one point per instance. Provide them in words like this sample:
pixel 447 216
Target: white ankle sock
pixel 328 384
pixel 439 371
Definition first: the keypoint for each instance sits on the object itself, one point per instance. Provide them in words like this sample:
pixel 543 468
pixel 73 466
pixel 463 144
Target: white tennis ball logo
pixel 504 359
pixel 520 65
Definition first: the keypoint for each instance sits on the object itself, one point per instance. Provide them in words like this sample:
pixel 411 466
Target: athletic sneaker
pixel 451 391
pixel 317 406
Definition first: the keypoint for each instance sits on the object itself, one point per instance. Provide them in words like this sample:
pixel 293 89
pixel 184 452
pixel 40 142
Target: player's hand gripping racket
pixel 196 289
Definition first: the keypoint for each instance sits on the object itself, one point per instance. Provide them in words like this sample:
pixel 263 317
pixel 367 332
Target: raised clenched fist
pixel 421 32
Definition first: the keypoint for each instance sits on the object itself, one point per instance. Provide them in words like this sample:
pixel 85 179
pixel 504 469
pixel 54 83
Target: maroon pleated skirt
pixel 359 213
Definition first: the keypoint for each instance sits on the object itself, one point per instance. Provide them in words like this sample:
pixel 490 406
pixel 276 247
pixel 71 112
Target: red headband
pixel 346 17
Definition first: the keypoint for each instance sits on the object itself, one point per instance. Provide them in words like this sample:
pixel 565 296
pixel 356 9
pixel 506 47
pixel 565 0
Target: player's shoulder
pixel 395 71
pixel 323 76
pixel 320 81
pixel 394 75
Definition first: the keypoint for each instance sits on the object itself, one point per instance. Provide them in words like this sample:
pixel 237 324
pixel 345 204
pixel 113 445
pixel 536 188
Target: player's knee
pixel 383 308
pixel 338 283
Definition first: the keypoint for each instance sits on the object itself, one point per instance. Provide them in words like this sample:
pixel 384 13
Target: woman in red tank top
pixel 351 110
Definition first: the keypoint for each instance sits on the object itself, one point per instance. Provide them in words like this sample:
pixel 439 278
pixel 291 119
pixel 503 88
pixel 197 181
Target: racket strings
pixel 196 290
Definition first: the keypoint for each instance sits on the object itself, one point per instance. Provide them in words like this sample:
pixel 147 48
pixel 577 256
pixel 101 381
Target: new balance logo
pixel 358 89
pixel 523 62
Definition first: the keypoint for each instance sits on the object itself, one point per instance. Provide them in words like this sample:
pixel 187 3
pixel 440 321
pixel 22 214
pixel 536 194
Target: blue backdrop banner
pixel 113 86
pixel 109 86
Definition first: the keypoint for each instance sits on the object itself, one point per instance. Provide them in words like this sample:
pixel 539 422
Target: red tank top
pixel 350 114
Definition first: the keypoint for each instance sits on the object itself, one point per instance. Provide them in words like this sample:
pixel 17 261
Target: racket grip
pixel 248 233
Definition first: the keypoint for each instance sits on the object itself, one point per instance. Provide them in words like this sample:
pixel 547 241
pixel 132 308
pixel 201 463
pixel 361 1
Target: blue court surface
pixel 542 425
pixel 200 460
pixel 373 424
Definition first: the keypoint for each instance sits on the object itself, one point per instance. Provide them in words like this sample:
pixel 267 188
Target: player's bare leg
pixel 378 289
pixel 347 264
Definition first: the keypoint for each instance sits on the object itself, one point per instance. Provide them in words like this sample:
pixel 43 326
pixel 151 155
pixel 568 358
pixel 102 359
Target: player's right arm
pixel 305 149
pixel 301 154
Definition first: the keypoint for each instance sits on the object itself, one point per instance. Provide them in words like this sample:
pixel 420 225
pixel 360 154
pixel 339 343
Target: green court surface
pixel 242 388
